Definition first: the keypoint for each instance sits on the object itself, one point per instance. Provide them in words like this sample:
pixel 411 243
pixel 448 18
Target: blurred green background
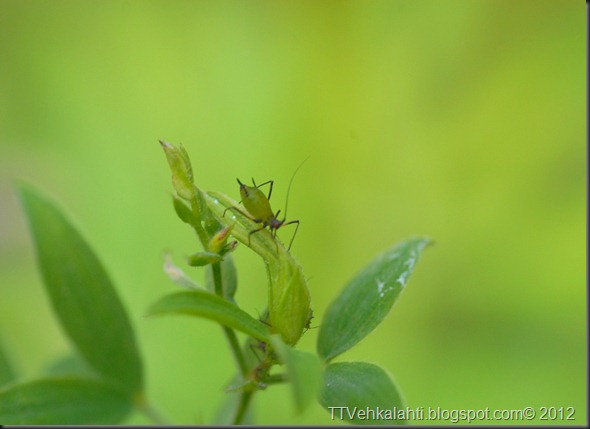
pixel 460 120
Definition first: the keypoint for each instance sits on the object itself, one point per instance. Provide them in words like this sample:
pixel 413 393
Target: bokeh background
pixel 461 120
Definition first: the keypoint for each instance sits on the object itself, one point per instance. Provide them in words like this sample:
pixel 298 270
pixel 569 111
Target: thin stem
pixel 229 333
pixel 245 399
pixel 237 352
pixel 217 281
pixel 231 336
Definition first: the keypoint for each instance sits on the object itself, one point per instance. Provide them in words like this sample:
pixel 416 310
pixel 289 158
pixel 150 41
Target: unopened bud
pixel 182 172
pixel 229 247
pixel 218 241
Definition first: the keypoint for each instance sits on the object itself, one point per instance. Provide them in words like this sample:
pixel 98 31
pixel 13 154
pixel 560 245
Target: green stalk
pixel 198 225
pixel 246 395
pixel 245 399
pixel 229 333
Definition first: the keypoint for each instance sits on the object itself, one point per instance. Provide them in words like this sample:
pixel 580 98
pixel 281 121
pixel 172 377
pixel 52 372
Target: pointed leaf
pixel 82 294
pixel 210 306
pixel 63 401
pixel 361 393
pixel 183 211
pixel 177 275
pixel 69 365
pixel 367 298
pixel 303 372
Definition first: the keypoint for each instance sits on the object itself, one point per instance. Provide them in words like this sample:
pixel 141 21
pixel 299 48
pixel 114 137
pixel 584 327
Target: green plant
pixel 104 382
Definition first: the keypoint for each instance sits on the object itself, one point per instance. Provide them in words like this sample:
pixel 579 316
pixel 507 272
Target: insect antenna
pixel 289 187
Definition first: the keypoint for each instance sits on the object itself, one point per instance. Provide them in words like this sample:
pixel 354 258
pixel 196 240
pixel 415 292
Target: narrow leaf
pixel 63 401
pixel 210 306
pixel 82 294
pixel 361 393
pixel 303 371
pixel 183 211
pixel 69 365
pixel 177 275
pixel 262 242
pixel 367 298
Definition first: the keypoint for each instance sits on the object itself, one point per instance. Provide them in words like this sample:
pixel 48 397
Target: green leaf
pixel 288 297
pixel 213 307
pixel 367 298
pixel 63 401
pixel 262 242
pixel 82 294
pixel 303 372
pixel 361 393
pixel 69 365
pixel 7 373
pixel 183 211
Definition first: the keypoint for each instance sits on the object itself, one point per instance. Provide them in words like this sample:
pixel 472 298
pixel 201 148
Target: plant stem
pixel 245 398
pixel 217 281
pixel 229 333
pixel 237 352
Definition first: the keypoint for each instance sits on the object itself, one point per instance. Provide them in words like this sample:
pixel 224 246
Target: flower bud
pixel 217 243
pixel 182 172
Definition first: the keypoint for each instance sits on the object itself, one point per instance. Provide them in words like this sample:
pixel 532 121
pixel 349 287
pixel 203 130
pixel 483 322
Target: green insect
pixel 259 211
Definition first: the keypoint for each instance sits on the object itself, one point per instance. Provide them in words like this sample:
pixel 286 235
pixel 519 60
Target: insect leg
pixel 255 231
pixel 294 234
pixel 241 212
pixel 266 183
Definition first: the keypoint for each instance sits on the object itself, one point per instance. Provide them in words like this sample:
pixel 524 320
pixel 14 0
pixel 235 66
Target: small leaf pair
pixel 352 388
pixel 94 319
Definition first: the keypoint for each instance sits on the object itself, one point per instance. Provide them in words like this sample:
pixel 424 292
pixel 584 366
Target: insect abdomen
pixel 256 203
